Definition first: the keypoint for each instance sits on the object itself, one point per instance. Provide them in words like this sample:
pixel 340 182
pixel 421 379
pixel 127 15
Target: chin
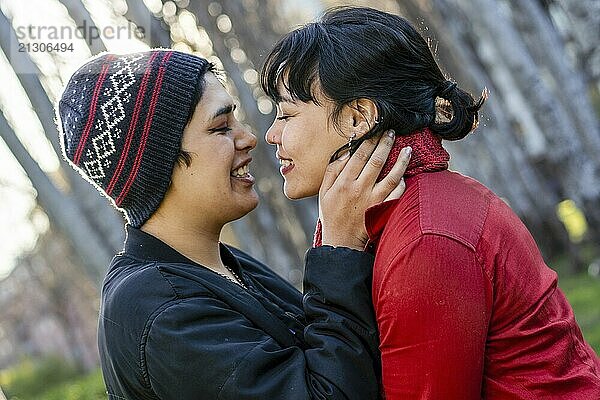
pixel 295 192
pixel 243 209
pixel 252 202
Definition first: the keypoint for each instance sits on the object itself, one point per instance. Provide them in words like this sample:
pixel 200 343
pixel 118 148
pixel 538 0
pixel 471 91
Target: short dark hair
pixel 360 52
pixel 185 157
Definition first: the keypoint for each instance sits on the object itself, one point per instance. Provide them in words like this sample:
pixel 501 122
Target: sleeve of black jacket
pixel 219 354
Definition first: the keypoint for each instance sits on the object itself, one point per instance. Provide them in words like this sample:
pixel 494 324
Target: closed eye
pixel 222 115
pixel 283 117
pixel 223 129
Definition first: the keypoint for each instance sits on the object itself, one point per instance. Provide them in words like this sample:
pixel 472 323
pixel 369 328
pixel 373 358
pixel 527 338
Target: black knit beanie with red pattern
pixel 121 119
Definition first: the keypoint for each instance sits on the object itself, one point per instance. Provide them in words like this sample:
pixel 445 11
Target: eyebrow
pixel 286 99
pixel 224 110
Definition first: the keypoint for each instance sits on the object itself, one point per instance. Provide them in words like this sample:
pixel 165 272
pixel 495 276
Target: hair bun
pixel 459 113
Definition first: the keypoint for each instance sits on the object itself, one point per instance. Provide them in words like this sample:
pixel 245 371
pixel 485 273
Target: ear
pixel 361 116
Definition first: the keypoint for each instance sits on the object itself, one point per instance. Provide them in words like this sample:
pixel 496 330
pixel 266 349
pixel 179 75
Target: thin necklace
pixel 237 279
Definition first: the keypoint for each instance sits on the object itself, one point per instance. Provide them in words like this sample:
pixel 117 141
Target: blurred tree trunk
pixel 157 34
pixel 569 88
pixel 62 209
pixel 459 59
pixel 578 22
pixel 50 305
pixel 570 158
pixel 96 211
pixel 81 16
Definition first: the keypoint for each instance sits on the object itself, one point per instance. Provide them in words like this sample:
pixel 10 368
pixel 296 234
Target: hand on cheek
pixel 349 187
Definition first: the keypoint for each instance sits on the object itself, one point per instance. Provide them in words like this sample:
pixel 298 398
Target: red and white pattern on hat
pixel 121 128
pixel 112 113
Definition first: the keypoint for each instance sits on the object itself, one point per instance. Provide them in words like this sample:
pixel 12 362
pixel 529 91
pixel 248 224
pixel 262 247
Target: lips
pixel 286 165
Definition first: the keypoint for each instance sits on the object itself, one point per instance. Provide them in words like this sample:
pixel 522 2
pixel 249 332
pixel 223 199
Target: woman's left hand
pixel 349 188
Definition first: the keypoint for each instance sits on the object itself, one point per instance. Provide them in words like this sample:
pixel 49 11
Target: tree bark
pixel 97 210
pixel 158 33
pixel 61 209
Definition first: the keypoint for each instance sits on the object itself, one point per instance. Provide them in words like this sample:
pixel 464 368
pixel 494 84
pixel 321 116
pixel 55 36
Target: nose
pixel 245 140
pixel 273 134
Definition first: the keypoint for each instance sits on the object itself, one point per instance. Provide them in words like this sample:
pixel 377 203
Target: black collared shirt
pixel 170 328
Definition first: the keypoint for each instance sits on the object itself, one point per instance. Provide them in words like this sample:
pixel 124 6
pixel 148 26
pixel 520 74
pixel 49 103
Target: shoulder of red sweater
pixel 453 205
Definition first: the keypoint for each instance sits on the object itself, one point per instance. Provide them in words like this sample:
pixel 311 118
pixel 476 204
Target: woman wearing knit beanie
pixel 465 306
pixel 182 315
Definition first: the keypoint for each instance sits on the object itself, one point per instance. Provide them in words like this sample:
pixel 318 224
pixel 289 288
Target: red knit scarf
pixel 428 155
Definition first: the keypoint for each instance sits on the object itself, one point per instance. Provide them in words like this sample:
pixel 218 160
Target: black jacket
pixel 172 329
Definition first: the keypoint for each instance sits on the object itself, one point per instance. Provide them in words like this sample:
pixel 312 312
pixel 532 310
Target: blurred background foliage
pixel 537 146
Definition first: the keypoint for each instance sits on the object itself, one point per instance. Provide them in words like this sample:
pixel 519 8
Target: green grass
pixel 51 379
pixel 87 387
pixel 583 292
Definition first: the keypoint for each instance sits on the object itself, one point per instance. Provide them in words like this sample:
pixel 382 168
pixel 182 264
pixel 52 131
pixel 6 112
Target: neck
pixel 198 244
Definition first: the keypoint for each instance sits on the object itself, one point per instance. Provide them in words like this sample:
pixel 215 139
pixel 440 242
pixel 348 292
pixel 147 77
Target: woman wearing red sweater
pixel 466 306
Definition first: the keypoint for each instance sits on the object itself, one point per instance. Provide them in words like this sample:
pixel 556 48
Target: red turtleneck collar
pixel 428 155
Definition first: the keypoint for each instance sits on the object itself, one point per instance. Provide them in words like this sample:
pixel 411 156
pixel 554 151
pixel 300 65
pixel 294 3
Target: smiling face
pixel 305 139
pixel 216 187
